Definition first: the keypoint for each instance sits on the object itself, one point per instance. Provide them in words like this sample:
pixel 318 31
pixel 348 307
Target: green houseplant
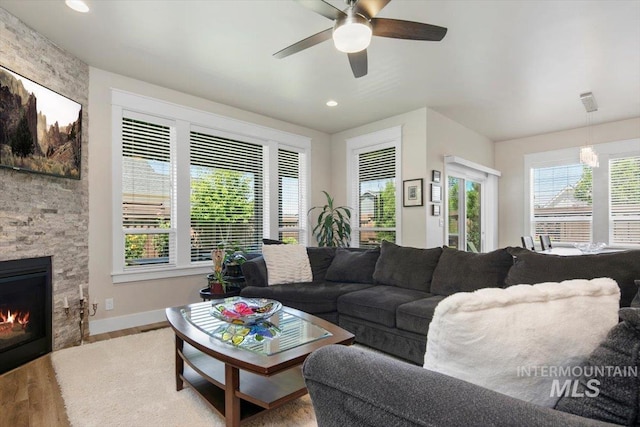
pixel 333 226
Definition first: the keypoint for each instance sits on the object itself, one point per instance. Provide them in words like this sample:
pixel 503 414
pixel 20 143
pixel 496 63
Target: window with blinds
pixel 624 200
pixel 226 194
pixel 291 204
pixel 376 190
pixel 562 203
pixel 147 184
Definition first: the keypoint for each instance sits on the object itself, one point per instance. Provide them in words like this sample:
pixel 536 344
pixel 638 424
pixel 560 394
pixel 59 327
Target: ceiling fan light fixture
pixel 352 34
pixel 77 5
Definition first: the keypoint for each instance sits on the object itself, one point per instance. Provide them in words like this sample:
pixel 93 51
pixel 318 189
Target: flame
pixel 16 317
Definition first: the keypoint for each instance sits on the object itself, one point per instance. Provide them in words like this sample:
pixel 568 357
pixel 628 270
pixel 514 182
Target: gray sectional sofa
pixel 386 297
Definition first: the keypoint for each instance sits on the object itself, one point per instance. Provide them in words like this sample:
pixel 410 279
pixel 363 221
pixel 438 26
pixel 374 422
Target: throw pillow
pixel 287 264
pixel 495 338
pixel 608 395
pixel 406 267
pixel 460 271
pixel 531 267
pixel 353 265
pixel 320 259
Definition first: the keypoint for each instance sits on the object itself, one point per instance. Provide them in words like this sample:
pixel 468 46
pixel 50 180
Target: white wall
pixel 509 159
pixel 427 136
pixel 143 302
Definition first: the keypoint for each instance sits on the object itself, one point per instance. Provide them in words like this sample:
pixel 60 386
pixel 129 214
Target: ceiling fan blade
pixel 322 8
pixel 304 44
pixel 398 29
pixel 370 8
pixel 358 61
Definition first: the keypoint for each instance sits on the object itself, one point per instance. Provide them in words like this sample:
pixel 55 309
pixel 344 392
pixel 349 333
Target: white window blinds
pixel 147 184
pixel 226 194
pixel 562 203
pixel 377 196
pixel 624 200
pixel 291 204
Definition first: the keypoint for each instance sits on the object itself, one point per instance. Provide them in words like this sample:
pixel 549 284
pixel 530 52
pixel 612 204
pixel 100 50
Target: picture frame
pixel 412 192
pixel 435 176
pixel 436 193
pixel 435 210
pixel 41 129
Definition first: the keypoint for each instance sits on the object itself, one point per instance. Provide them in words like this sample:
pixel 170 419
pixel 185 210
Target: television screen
pixel 40 130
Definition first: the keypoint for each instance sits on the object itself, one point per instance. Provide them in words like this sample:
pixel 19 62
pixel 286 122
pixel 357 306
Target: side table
pixel 206 294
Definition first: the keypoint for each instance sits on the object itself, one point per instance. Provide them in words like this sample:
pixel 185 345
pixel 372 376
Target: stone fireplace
pixel 41 215
pixel 25 311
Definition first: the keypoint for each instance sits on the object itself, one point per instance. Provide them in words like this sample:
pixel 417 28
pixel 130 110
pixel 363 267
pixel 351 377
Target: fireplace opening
pixel 25 311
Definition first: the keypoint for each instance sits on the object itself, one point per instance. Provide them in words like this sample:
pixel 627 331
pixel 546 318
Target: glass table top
pixel 282 331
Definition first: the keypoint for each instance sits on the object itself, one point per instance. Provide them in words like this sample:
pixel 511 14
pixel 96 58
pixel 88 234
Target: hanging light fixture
pixel 588 156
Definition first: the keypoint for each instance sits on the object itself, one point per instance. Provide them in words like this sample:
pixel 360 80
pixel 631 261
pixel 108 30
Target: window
pixel 186 180
pixel 292 206
pixel 562 202
pixel 575 203
pixel 147 184
pixel 624 200
pixel 374 199
pixel 226 194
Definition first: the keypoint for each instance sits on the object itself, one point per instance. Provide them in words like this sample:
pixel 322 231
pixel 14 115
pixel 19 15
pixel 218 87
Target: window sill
pixel 155 273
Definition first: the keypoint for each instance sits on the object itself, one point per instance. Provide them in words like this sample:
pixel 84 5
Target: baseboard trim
pixel 102 326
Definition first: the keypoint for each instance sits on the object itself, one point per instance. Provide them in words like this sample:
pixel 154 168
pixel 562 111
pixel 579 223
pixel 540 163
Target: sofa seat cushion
pixel 310 297
pixel 460 271
pixel 531 267
pixel 406 267
pixel 377 304
pixel 415 316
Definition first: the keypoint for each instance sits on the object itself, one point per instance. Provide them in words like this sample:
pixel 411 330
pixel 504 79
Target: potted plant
pixel 333 227
pixel 217 283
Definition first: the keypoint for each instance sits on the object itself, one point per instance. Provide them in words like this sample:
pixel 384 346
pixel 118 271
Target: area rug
pixel 129 381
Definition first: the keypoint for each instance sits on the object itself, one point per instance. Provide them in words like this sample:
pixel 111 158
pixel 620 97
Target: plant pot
pixel 214 286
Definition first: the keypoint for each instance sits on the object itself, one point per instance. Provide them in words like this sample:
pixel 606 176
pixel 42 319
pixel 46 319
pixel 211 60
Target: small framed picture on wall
pixel 435 176
pixel 412 192
pixel 436 193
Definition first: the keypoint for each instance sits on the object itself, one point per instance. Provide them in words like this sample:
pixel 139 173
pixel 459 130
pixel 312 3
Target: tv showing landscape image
pixel 40 130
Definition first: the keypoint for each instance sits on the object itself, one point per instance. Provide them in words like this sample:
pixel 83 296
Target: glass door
pixel 464 221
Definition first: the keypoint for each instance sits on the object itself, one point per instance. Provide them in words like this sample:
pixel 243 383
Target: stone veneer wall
pixel 42 215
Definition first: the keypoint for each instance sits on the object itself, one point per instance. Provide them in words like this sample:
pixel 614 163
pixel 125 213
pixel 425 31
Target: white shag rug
pixel 129 381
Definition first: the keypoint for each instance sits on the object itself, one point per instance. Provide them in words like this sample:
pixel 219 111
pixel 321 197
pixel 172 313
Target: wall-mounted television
pixel 40 130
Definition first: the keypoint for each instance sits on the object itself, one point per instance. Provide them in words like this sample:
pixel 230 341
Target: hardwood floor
pixel 30 395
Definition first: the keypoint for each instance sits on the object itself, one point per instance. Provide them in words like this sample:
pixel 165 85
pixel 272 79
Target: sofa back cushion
pixel 406 267
pixel 459 271
pixel 320 260
pixel 353 265
pixel 531 267
pixel 496 338
pixel 607 395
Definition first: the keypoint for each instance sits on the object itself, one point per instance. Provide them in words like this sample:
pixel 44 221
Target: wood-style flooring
pixel 30 395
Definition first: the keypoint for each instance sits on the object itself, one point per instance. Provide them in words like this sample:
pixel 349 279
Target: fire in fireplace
pixel 25 311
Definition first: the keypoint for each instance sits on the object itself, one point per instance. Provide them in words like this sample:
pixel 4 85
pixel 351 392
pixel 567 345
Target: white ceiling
pixel 505 69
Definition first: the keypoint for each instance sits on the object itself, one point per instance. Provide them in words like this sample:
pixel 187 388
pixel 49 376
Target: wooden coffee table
pixel 240 382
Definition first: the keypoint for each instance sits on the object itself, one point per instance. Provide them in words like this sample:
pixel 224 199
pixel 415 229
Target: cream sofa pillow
pixel 287 264
pixel 514 340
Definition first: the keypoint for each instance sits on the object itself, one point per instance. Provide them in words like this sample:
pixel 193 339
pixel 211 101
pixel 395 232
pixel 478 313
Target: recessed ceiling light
pixel 331 103
pixel 77 5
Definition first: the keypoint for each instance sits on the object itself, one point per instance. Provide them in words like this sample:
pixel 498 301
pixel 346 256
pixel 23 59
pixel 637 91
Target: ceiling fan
pixel 353 28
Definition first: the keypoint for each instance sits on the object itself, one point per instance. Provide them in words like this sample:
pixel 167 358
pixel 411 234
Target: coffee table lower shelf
pixel 257 393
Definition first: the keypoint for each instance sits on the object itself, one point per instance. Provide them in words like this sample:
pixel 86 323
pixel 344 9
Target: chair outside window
pixel 527 242
pixel 545 242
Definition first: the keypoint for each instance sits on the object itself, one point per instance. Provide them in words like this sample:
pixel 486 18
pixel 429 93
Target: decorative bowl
pixel 590 248
pixel 245 311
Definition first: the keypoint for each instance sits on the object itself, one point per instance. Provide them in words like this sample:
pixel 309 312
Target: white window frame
pixel 600 221
pixel 387 138
pixel 185 120
pixel 304 191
